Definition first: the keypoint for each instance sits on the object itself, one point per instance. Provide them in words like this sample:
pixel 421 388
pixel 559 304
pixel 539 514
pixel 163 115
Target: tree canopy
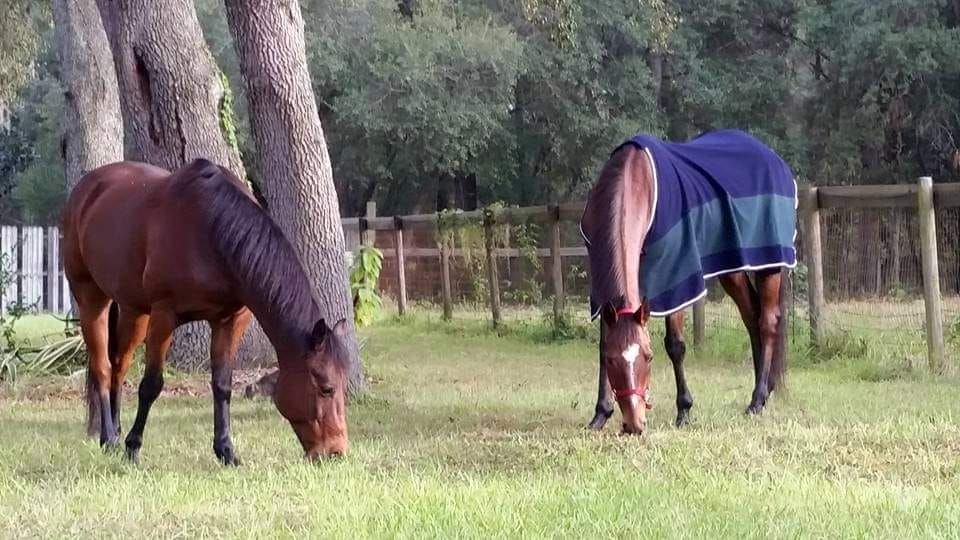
pixel 428 104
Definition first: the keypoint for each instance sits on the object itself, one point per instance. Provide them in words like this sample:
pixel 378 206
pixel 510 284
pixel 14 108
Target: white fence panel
pixel 51 268
pixel 31 273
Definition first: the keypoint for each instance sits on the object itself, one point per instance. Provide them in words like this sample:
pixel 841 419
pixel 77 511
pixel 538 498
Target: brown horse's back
pixel 126 234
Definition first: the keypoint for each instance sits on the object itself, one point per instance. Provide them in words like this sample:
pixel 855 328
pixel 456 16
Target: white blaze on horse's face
pixel 631 353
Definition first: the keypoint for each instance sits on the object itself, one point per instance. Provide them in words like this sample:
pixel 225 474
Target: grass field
pixel 465 433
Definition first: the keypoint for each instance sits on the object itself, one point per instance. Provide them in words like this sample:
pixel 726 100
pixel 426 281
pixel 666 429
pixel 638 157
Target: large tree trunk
pixel 93 126
pixel 292 152
pixel 172 98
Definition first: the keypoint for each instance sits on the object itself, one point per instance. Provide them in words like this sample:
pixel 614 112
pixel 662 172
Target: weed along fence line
pixel 879 266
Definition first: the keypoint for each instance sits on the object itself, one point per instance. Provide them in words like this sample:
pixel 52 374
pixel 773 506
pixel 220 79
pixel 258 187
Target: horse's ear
pixel 643 314
pixel 341 328
pixel 319 332
pixel 609 314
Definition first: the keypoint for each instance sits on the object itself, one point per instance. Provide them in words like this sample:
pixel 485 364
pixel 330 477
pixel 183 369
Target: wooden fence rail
pixel 34 254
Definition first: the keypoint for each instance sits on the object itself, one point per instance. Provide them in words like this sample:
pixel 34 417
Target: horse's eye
pixel 326 391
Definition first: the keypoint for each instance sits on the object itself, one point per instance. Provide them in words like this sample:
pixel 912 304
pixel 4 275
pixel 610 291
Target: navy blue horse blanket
pixel 725 202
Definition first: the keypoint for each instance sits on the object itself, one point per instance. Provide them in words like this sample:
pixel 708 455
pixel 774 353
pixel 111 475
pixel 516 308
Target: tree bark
pixel 172 100
pixel 93 126
pixel 292 152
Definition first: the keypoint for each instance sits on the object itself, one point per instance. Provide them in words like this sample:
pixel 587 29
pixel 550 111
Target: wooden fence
pixel 40 283
pixel 924 198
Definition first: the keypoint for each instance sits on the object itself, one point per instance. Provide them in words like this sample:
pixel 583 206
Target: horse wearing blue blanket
pixel 663 218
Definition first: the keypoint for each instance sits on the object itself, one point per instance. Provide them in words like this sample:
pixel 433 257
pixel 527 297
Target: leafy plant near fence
pixel 526 239
pixel 467 234
pixel 11 349
pixel 364 277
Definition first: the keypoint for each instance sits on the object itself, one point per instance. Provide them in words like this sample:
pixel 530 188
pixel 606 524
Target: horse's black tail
pixel 93 400
pixel 778 365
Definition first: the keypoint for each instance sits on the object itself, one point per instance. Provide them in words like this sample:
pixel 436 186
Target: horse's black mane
pixel 253 248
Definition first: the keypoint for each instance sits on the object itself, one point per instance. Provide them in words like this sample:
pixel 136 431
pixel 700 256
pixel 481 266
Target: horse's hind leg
pixel 224 341
pixel 771 351
pixel 131 328
pixel 93 306
pixel 676 348
pixel 738 286
pixel 159 335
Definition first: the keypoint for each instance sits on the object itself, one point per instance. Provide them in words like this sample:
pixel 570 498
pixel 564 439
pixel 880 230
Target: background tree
pixel 93 126
pixel 430 104
pixel 416 99
pixel 292 158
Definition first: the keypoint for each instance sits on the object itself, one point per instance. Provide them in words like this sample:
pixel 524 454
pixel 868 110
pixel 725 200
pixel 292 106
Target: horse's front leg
pixel 676 349
pixel 604 408
pixel 224 341
pixel 159 336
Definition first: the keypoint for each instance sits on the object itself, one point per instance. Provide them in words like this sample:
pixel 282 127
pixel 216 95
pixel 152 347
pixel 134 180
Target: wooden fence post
pixel 368 236
pixel 401 271
pixel 699 322
pixel 931 274
pixel 557 266
pixel 445 278
pixel 492 278
pixel 810 216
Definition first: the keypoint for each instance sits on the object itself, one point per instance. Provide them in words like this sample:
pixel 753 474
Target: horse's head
pixel 627 357
pixel 311 392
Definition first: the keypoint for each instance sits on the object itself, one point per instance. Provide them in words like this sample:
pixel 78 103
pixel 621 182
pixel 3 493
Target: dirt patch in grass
pixel 72 386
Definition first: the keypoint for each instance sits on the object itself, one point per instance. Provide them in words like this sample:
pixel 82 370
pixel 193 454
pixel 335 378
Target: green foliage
pixel 63 356
pixel 953 331
pixel 227 126
pixel 11 349
pixel 31 164
pixel 841 344
pixel 20 39
pixel 364 277
pixel 18 357
pixel 529 97
pixel 525 237
pixel 799 281
pixel 404 103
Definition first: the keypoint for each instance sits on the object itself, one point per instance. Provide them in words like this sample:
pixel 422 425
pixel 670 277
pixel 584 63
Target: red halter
pixel 626 311
pixel 642 393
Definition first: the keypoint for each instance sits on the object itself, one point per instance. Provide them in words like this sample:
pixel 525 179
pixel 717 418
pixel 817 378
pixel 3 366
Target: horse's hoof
pixel 228 457
pixel 111 446
pixel 754 410
pixel 133 455
pixel 683 418
pixel 599 420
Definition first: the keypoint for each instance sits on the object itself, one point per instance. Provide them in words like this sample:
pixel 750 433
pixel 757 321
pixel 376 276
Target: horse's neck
pixel 636 212
pixel 288 332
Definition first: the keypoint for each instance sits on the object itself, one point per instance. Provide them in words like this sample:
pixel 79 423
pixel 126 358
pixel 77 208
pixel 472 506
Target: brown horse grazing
pixel 661 219
pixel 146 251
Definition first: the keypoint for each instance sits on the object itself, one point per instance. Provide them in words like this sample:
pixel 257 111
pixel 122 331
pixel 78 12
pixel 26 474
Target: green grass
pixel 466 433
pixel 36 329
